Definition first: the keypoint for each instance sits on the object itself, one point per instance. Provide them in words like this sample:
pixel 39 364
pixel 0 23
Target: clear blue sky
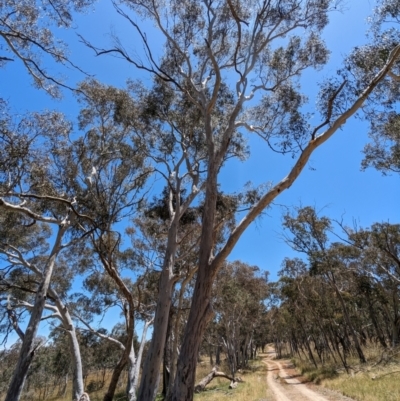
pixel 332 181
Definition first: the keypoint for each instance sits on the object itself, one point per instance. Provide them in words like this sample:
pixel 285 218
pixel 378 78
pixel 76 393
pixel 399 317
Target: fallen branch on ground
pixel 214 373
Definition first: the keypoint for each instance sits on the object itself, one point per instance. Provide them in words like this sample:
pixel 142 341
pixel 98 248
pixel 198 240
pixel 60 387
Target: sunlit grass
pixel 378 380
pixel 253 388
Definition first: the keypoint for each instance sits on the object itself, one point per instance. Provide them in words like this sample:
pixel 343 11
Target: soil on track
pixel 286 384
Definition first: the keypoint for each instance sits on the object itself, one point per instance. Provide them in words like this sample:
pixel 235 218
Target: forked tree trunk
pixel 28 347
pixel 134 365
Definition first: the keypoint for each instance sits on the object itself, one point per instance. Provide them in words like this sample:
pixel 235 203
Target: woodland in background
pixel 120 208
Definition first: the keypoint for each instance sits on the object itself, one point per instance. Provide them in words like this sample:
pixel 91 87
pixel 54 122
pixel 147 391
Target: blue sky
pixel 332 181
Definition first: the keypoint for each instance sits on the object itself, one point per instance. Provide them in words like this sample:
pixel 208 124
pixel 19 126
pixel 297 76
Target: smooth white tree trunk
pixel 134 365
pixel 29 347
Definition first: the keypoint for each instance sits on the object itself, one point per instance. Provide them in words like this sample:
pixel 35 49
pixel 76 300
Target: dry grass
pixel 378 380
pixel 253 388
pixel 361 386
pixel 92 378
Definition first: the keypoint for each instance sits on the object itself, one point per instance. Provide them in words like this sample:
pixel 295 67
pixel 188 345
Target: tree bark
pixel 175 348
pixel 206 380
pixel 199 316
pixel 348 321
pixel 134 365
pixel 151 369
pixel 109 395
pixel 69 327
pixel 28 347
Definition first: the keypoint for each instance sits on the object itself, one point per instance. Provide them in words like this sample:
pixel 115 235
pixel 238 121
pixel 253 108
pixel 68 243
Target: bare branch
pixel 27 212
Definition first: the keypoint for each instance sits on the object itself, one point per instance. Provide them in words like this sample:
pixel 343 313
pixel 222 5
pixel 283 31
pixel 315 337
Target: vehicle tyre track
pixel 288 388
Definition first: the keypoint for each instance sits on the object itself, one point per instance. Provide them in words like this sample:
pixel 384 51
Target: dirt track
pixel 285 386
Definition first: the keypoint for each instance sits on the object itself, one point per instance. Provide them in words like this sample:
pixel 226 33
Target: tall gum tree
pixel 238 63
pixel 27 191
pixel 107 169
pixel 48 177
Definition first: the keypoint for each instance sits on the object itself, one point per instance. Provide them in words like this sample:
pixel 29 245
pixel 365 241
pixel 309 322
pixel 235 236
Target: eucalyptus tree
pixel 27 36
pixel 236 66
pixel 383 152
pixel 103 294
pixel 32 202
pixel 176 149
pixel 84 186
pixel 149 244
pixel 310 234
pixel 379 263
pixel 21 285
pixel 311 314
pixel 238 297
pixel 109 162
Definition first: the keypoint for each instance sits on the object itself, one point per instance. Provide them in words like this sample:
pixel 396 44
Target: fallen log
pixel 214 373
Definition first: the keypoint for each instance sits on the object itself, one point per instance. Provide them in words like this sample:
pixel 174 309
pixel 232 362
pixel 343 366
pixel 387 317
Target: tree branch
pixel 286 182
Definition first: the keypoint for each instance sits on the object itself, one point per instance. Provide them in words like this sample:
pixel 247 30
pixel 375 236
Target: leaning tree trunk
pixel 109 395
pixel 28 347
pixel 206 380
pixel 348 321
pixel 125 354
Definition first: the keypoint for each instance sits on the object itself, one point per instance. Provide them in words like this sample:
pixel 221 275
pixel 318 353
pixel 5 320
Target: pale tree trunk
pixel 130 389
pixel 231 352
pixel 134 365
pixel 151 370
pixel 69 327
pixel 28 347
